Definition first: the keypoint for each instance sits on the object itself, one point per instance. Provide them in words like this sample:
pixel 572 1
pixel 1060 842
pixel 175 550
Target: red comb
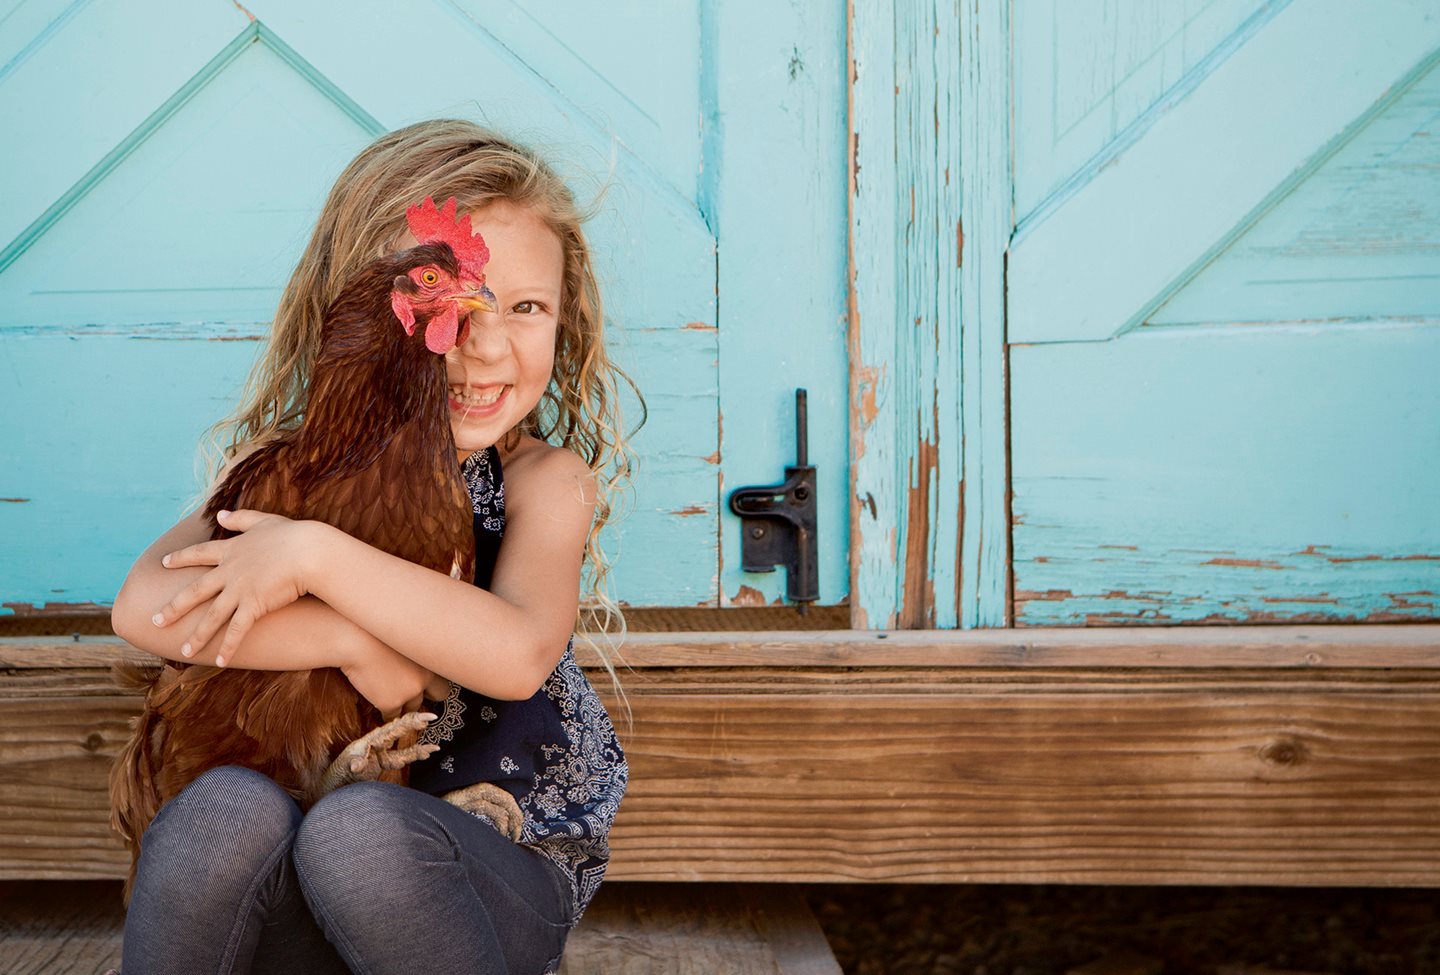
pixel 431 225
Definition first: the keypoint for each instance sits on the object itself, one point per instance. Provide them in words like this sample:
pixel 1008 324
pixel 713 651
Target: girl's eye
pixel 524 307
pixel 429 278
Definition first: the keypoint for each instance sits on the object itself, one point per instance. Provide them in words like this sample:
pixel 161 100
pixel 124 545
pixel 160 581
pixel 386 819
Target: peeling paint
pixel 917 605
pixel 1049 595
pixel 1245 563
pixel 15 500
pixel 868 502
pixel 691 510
pixel 1398 600
pixel 1300 599
pixel 698 327
pixel 748 596
pixel 868 379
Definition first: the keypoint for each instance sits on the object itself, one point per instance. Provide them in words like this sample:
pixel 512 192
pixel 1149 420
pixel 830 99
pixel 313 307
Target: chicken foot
pixel 365 758
pixel 494 803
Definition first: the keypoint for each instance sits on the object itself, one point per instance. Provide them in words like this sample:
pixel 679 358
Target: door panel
pixel 1223 334
pixel 1138 219
pixel 1355 240
pixel 1228 474
pixel 174 199
pixel 1089 69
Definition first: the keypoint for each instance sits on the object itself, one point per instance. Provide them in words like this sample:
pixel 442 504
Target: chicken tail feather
pixel 134 794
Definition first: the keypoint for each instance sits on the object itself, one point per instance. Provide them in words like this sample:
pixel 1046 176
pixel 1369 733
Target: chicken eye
pixel 429 278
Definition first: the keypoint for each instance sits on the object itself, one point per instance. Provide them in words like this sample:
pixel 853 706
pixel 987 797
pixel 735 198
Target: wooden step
pixel 1280 755
pixel 75 928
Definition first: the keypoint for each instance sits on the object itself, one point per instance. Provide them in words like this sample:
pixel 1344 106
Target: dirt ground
pixel 885 929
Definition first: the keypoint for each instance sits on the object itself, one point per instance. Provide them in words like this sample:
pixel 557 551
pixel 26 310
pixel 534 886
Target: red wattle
pixel 440 331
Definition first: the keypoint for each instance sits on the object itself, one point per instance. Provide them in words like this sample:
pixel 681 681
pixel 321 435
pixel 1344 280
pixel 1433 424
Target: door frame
pixel 931 215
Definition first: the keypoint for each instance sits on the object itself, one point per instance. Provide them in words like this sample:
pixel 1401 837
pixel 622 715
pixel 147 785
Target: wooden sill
pixel 1274 755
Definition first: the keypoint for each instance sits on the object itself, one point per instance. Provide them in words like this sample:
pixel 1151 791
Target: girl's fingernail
pixel 158 619
pixel 186 649
pixel 219 661
pixel 165 561
pixel 223 514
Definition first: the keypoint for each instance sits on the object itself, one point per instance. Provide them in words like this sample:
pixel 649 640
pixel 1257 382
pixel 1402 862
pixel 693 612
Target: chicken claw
pixel 365 758
pixel 494 803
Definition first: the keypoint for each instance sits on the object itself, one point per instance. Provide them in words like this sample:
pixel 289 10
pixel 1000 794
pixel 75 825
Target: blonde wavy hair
pixel 362 219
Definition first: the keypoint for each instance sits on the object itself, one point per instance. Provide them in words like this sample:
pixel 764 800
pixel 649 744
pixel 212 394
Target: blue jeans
pixel 375 878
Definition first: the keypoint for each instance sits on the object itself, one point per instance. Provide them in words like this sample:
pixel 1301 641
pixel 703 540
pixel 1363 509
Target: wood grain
pixel 1299 756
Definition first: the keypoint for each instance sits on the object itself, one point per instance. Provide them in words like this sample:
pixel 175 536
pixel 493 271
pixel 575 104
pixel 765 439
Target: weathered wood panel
pixel 984 225
pixel 878 487
pixel 1272 755
pixel 929 223
pixel 1138 218
pixel 774 78
pixel 1255 475
pixel 1357 241
pixel 1221 320
pixel 1094 67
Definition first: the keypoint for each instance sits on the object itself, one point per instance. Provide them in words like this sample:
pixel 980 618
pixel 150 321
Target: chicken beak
pixel 481 299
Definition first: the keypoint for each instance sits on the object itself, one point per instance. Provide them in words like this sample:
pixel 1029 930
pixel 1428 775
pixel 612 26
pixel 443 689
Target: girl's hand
pixel 388 679
pixel 256 572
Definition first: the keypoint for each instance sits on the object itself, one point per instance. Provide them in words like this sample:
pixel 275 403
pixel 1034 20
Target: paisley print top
pixel 557 752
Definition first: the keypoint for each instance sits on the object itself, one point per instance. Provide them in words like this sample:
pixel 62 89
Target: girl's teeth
pixel 478 399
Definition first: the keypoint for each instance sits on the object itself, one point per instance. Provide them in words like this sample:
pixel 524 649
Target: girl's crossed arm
pixel 300 635
pixel 502 643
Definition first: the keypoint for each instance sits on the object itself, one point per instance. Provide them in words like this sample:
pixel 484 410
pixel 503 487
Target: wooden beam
pixel 1205 755
pixel 1374 646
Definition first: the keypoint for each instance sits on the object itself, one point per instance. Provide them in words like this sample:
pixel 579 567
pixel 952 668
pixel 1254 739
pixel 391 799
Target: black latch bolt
pixel 777 523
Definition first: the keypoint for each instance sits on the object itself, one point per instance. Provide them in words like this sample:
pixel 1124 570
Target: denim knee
pixel 230 819
pixel 365 826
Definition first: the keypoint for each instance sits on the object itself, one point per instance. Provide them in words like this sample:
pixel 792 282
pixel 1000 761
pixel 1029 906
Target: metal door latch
pixel 777 523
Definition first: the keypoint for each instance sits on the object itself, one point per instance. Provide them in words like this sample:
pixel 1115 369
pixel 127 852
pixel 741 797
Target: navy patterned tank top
pixel 557 752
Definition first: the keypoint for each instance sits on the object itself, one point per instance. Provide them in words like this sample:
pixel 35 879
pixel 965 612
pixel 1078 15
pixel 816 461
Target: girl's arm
pixel 303 635
pixel 503 643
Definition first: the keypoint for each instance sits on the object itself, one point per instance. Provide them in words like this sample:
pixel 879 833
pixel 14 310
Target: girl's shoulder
pixel 534 467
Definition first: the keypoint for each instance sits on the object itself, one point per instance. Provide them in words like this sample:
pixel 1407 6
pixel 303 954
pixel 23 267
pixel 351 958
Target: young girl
pixel 377 877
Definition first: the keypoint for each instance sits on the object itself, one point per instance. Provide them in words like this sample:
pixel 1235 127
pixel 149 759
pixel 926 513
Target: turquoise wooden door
pixel 164 161
pixel 1223 291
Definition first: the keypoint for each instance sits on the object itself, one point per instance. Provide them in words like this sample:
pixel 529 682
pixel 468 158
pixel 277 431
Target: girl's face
pixel 496 377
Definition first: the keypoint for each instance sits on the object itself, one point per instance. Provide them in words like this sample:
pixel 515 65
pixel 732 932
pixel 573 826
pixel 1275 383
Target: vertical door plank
pixel 774 81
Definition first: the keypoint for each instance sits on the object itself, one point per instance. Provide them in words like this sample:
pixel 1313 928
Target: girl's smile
pixel 477 402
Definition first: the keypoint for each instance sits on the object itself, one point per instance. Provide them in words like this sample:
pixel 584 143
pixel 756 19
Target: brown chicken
pixel 376 458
